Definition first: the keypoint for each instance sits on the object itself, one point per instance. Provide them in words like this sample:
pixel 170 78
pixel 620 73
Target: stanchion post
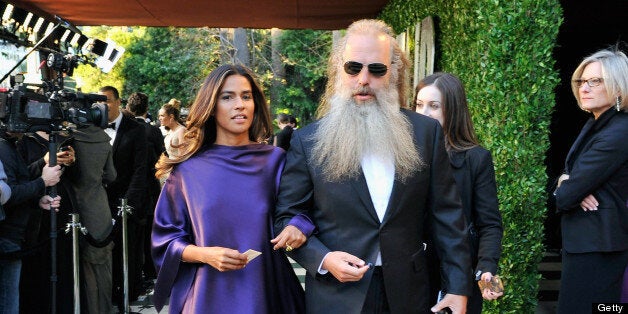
pixel 75 226
pixel 123 212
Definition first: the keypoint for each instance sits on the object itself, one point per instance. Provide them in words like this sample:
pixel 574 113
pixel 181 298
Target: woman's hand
pixel 290 238
pixel 562 178
pixel 221 258
pixel 487 294
pixel 589 203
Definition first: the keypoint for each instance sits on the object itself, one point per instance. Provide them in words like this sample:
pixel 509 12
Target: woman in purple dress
pixel 216 205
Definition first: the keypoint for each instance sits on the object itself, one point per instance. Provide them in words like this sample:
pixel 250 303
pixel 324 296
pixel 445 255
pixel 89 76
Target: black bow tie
pixel 112 126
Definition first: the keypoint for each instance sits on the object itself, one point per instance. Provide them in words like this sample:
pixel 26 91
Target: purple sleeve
pixel 170 235
pixel 300 221
pixel 303 223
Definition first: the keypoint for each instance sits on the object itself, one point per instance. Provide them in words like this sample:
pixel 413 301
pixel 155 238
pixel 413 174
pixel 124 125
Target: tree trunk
pixel 240 43
pixel 279 73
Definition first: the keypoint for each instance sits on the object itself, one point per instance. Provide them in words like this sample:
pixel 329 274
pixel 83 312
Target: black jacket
pixel 346 220
pixel 156 147
pixel 597 164
pixel 25 193
pixel 32 148
pixel 282 138
pixel 475 178
pixel 129 159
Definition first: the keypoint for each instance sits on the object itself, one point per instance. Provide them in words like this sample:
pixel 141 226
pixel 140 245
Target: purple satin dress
pixel 223 196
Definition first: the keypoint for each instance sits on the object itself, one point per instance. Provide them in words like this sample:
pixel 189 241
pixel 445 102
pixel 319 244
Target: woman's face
pixel 429 102
pixel 164 119
pixel 234 111
pixel 594 99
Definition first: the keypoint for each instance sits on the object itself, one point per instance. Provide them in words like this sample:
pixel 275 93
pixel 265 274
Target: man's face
pixel 113 105
pixel 366 50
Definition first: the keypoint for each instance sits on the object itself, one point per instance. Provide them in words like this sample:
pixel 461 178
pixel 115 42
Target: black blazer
pixel 346 220
pixel 129 159
pixel 282 138
pixel 597 164
pixel 156 147
pixel 475 178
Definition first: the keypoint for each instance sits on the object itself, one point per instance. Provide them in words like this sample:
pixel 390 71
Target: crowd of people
pixel 389 209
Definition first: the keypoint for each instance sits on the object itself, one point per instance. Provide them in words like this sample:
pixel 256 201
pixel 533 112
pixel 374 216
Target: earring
pixel 617 103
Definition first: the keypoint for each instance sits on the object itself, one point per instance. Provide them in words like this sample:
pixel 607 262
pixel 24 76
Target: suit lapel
pixel 394 200
pixel 362 190
pixel 119 132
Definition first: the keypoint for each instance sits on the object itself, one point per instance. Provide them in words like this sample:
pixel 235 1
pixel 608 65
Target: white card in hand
pixel 251 254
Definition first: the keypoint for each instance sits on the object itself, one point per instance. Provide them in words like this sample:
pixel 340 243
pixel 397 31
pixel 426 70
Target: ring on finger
pixel 289 248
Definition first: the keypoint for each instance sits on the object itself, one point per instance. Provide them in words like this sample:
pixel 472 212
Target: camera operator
pixel 33 147
pixel 25 193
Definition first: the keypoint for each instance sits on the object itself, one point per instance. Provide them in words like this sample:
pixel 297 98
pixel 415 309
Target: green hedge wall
pixel 502 51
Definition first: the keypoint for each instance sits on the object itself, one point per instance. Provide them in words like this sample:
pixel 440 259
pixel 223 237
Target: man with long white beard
pixel 375 180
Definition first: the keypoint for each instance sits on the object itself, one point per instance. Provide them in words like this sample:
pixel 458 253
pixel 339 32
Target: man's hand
pixel 51 175
pixel 47 202
pixel 290 238
pixel 456 303
pixel 344 266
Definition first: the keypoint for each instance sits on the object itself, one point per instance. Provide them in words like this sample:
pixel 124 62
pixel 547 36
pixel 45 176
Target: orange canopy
pixel 284 14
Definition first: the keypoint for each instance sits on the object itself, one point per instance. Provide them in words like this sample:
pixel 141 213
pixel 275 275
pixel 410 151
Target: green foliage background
pixel 172 62
pixel 304 55
pixel 164 62
pixel 502 51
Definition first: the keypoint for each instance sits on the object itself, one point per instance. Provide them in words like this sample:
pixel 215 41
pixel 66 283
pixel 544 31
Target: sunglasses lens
pixel 378 69
pixel 352 67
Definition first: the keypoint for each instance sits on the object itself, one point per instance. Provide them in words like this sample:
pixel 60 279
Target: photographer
pixel 25 193
pixel 34 150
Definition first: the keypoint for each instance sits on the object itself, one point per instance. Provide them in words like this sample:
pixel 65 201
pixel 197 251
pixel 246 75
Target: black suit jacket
pixel 597 164
pixel 346 220
pixel 282 138
pixel 156 147
pixel 475 178
pixel 129 159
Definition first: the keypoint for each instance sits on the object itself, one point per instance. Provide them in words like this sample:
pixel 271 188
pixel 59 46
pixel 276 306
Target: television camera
pixel 53 108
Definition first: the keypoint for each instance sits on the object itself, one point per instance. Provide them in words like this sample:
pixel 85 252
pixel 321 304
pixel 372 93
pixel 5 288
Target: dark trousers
pixel 588 278
pixel 376 301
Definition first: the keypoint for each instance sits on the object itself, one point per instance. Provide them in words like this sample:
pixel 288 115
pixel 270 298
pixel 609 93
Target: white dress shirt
pixel 111 132
pixel 379 173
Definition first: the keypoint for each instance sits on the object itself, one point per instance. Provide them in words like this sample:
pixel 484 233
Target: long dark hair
pixel 201 124
pixel 457 124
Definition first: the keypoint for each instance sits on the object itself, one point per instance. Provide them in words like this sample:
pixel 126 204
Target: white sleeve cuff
pixel 320 267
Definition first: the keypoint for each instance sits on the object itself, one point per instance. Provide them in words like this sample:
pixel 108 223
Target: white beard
pixel 352 130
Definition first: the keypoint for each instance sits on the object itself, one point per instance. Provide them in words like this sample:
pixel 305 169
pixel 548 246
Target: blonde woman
pixel 170 119
pixel 592 192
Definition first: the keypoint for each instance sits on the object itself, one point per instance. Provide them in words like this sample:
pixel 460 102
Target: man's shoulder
pixel 414 116
pixel 418 120
pixel 131 125
pixel 130 122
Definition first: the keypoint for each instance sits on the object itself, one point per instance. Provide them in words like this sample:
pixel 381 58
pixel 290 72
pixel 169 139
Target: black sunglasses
pixel 377 69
